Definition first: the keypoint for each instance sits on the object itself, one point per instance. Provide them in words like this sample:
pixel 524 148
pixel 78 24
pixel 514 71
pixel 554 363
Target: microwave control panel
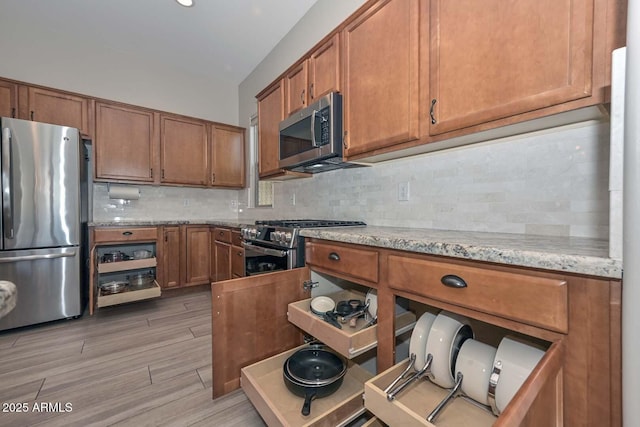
pixel 323 120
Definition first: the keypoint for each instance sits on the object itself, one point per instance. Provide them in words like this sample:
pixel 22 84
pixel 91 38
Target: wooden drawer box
pixel 264 385
pixel 129 296
pixel 344 260
pixel 122 234
pixel 534 300
pixel 350 342
pixel 222 234
pixel 236 238
pixel 537 403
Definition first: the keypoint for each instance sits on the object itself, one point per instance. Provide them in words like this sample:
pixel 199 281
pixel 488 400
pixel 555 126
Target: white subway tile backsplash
pixel 555 183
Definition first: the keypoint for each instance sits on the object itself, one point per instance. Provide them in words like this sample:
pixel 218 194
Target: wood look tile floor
pixel 142 364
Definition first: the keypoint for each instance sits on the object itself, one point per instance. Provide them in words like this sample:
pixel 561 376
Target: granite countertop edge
pixel 583 256
pixel 141 223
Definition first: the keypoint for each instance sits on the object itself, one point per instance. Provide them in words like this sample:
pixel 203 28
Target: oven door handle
pixel 264 251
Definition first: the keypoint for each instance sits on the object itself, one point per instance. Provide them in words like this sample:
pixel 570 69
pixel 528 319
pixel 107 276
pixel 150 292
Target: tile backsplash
pixel 166 203
pixel 550 183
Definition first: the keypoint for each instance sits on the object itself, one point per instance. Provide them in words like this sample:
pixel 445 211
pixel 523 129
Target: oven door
pixel 262 259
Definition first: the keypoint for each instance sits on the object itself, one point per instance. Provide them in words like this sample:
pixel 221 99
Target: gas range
pixel 285 234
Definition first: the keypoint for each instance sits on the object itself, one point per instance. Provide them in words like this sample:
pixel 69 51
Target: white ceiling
pixel 219 39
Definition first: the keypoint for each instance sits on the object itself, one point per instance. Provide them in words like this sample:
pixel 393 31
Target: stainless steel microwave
pixel 311 139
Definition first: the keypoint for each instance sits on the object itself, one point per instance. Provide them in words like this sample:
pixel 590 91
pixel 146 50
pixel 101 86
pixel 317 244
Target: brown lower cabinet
pixel 185 256
pixel 258 320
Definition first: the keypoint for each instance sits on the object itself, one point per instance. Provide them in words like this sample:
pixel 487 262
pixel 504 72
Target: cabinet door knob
pixel 334 256
pixel 311 91
pixel 431 113
pixel 453 281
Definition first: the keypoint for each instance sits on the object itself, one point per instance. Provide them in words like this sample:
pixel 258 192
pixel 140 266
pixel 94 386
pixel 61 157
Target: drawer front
pixel 236 238
pixel 537 301
pixel 350 261
pixel 222 234
pixel 237 261
pixel 121 234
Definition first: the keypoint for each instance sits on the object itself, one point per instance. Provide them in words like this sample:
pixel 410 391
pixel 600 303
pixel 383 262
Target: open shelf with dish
pixel 124 272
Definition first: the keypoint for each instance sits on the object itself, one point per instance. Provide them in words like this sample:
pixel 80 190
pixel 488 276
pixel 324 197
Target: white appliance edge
pixel 631 225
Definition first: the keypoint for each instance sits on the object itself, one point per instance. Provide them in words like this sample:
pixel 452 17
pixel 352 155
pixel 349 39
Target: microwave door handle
pixel 314 143
pixel 7 205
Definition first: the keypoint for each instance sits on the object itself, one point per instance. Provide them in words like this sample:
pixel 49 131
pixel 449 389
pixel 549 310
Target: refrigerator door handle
pixel 7 202
pixel 36 257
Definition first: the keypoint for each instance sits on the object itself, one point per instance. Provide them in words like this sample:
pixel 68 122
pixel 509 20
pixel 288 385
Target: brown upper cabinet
pixel 415 72
pixel 183 150
pixel 491 59
pixel 58 108
pixel 381 96
pixel 8 99
pixel 270 114
pixel 125 143
pixel 227 156
pixel 314 76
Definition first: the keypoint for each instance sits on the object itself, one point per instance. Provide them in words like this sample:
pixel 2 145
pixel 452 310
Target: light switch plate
pixel 403 191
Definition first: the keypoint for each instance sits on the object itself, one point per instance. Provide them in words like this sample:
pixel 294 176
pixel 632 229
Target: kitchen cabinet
pixel 381 88
pixel 270 114
pixel 493 60
pixel 8 99
pixel 185 256
pixel 56 107
pixel 125 143
pixel 104 241
pixel 576 319
pixel 184 151
pixel 227 156
pixel 222 247
pixel 313 76
pixel 237 254
pixel 171 254
pixel 196 254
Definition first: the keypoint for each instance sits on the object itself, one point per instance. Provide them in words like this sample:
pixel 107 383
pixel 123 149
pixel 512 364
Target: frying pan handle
pixel 309 395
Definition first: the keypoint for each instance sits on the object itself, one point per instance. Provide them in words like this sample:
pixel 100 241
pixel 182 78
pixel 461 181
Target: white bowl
pixel 322 304
pixel 517 361
pixel 372 299
pixel 475 362
pixel 418 343
pixel 447 334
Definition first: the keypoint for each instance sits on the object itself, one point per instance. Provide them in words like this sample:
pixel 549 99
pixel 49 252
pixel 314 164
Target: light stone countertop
pixel 141 223
pixel 578 255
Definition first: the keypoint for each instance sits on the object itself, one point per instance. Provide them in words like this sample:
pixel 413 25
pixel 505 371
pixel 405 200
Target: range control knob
pixel 287 237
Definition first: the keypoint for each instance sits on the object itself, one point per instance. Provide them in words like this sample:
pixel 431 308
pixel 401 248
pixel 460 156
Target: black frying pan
pixel 313 372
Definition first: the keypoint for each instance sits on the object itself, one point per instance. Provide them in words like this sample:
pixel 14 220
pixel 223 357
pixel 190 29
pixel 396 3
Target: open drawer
pixel 152 291
pixel 538 402
pixel 263 383
pixel 350 342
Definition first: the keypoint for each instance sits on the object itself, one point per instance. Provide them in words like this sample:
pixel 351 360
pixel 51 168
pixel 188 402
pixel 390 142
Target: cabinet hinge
pixel 307 285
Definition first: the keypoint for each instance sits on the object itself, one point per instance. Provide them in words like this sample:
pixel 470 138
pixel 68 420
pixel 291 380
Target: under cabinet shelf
pixel 131 295
pixel 134 264
pixel 349 342
pixel 264 385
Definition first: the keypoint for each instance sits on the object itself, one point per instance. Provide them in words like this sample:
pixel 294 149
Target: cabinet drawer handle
pixel 453 281
pixel 334 256
pixel 127 233
pixel 13 113
pixel 32 113
pixel 302 96
pixel 433 117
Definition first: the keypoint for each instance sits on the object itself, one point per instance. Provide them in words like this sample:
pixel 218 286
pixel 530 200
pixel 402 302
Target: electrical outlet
pixel 292 199
pixel 185 202
pixel 403 191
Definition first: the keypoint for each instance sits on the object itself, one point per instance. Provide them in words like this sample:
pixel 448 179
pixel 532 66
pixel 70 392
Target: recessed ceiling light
pixel 185 3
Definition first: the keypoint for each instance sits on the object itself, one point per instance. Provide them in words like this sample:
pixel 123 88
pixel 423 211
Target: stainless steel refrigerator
pixel 43 220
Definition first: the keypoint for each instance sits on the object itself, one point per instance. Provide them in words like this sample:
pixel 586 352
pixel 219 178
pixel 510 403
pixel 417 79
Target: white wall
pixel 59 53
